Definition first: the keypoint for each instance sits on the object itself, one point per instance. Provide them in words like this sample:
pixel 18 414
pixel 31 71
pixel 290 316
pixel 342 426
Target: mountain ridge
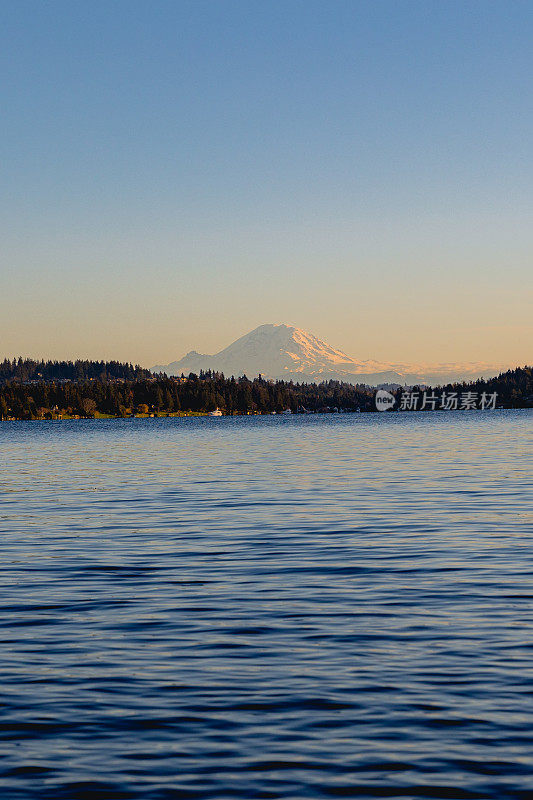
pixel 289 353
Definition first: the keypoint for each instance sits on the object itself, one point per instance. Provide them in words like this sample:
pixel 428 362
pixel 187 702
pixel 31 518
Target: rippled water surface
pixel 306 607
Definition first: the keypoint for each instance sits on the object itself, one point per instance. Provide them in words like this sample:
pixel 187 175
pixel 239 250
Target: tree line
pixel 202 393
pixel 514 388
pixel 27 370
pixel 195 394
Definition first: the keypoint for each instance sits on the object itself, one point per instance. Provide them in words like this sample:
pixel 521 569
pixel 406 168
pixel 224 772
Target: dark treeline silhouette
pixel 207 391
pixel 514 387
pixel 195 394
pixel 25 370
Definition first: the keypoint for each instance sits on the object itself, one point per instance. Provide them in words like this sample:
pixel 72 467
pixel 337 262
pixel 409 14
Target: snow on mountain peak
pixel 284 351
pixel 275 351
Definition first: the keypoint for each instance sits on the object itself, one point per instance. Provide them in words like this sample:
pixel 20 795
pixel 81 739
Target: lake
pixel 318 606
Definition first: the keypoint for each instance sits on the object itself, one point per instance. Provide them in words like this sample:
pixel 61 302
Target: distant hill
pixel 26 370
pixel 283 352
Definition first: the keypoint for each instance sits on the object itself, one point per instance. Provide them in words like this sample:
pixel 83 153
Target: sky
pixel 175 174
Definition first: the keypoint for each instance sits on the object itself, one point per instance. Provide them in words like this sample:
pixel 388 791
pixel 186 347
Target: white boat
pixel 216 413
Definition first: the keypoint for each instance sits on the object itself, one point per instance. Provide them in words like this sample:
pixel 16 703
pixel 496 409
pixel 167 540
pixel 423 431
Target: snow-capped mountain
pixel 289 353
pixel 280 351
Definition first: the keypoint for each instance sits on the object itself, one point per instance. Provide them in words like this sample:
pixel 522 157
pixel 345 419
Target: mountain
pixel 282 351
pixel 289 353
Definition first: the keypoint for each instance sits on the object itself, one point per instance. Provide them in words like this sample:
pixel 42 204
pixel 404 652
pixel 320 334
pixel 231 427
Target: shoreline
pixel 108 417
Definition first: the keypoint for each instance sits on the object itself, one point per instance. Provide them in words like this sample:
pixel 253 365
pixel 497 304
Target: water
pixel 307 607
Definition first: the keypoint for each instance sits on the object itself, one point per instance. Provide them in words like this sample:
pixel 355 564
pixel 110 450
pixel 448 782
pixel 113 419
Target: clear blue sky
pixel 176 173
